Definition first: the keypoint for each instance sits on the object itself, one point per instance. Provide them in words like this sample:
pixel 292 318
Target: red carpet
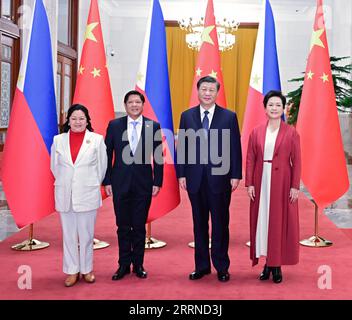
pixel 348 232
pixel 168 268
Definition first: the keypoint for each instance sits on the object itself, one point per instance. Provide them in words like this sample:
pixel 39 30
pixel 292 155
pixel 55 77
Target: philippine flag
pixel 27 179
pixel 265 75
pixel 153 82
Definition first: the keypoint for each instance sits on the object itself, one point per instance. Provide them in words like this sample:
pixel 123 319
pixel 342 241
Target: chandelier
pixel 195 26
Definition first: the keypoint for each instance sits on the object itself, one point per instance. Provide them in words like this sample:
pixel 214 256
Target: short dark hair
pixel 210 80
pixel 72 109
pixel 274 93
pixel 133 93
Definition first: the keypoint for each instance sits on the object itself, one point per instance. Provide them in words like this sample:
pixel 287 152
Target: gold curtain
pixel 236 65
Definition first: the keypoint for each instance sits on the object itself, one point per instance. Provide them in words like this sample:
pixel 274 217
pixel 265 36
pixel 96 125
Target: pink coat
pixel 283 233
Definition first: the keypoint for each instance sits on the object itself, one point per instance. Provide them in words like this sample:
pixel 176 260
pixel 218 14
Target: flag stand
pixel 316 241
pixel 98 244
pixel 150 242
pixel 30 244
pixel 191 244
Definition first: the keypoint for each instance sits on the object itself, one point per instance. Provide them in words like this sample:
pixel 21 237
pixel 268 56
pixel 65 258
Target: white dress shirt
pixel 210 114
pixel 139 121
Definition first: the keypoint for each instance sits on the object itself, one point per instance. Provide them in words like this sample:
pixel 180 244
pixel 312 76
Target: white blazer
pixel 80 182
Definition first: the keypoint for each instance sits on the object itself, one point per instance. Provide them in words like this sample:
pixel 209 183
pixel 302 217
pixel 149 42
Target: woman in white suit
pixel 78 162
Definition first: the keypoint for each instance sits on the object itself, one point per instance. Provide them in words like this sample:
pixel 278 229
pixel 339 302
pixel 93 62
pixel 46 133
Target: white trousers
pixel 261 240
pixel 78 237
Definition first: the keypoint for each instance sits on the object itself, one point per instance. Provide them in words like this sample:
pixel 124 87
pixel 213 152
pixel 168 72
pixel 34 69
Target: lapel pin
pixel 88 141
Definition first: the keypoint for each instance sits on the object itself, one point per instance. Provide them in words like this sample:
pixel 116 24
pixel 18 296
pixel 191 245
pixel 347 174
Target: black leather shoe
pixel 140 272
pixel 121 272
pixel 277 274
pixel 265 275
pixel 195 275
pixel 223 276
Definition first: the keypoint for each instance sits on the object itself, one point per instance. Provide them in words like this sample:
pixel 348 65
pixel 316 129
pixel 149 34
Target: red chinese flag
pixel 93 88
pixel 324 170
pixel 208 60
pixel 93 83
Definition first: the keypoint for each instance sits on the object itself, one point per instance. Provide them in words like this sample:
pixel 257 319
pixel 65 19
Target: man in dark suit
pixel 133 140
pixel 209 164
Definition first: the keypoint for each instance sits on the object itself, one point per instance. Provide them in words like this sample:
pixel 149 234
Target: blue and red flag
pixel 153 82
pixel 27 179
pixel 265 75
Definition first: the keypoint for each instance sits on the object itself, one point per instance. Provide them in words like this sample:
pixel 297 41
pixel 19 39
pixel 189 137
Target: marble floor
pixel 340 212
pixel 7 224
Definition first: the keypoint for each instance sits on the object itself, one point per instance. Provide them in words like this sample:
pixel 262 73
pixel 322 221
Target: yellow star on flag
pixel 140 77
pixel 315 40
pixel 20 79
pixel 96 73
pixel 324 77
pixel 213 74
pixel 256 79
pixel 310 75
pixel 89 31
pixel 81 69
pixel 199 72
pixel 206 35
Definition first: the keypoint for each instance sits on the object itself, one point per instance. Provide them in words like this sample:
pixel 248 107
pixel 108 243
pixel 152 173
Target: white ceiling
pixel 242 10
pixel 134 3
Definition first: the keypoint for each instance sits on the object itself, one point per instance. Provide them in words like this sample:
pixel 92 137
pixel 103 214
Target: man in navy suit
pixel 133 140
pixel 209 167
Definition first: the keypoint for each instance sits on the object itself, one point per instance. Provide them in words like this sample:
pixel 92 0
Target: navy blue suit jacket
pixel 120 173
pixel 193 170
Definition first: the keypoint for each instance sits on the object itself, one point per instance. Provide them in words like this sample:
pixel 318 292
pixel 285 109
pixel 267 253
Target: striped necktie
pixel 134 137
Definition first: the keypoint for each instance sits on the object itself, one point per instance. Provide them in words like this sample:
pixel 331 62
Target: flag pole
pixel 150 242
pixel 30 244
pixel 316 241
